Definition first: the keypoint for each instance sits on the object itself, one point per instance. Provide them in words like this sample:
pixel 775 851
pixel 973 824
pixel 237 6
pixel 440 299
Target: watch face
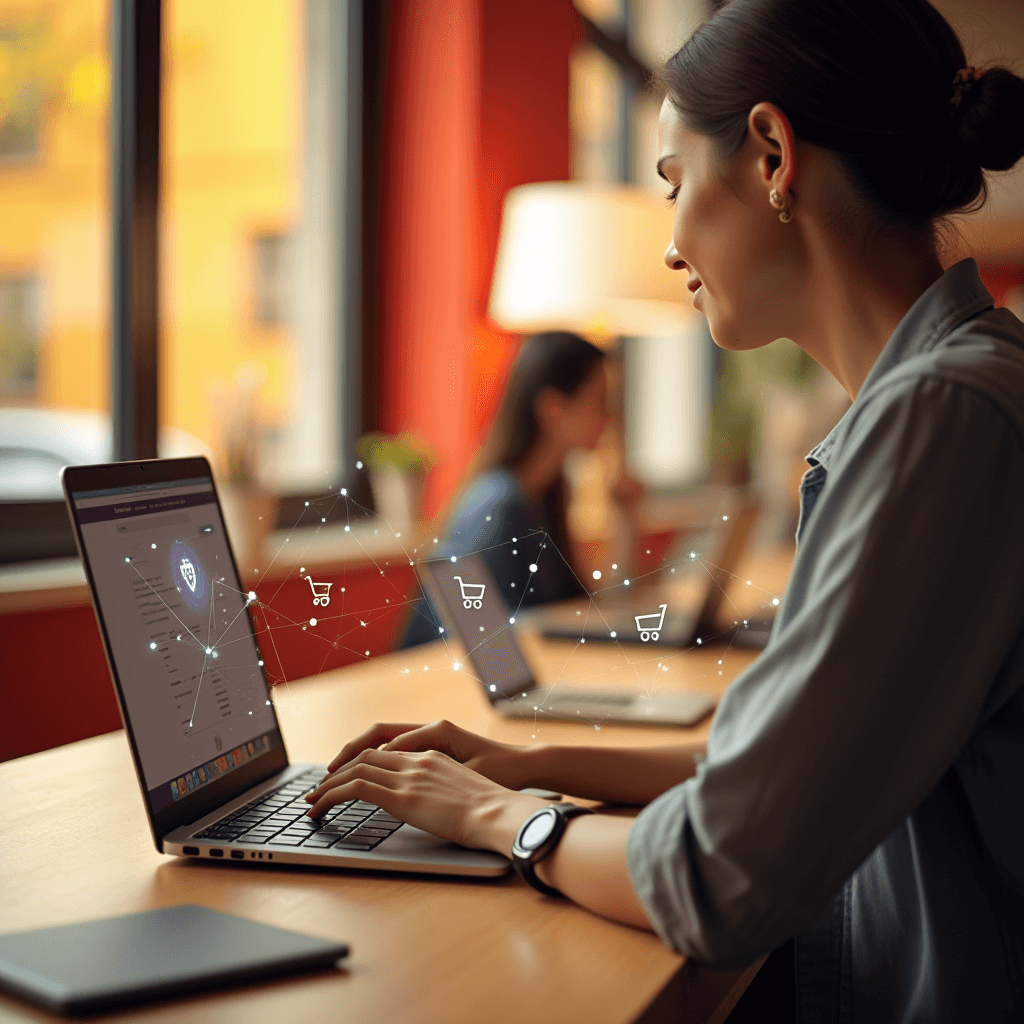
pixel 537 830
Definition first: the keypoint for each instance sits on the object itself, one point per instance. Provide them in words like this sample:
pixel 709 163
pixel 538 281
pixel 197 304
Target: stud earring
pixel 785 213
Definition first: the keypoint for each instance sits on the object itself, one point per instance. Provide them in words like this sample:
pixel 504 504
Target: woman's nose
pixel 672 260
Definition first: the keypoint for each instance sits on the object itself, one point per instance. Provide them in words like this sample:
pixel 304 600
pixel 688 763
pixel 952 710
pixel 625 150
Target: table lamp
pixel 587 258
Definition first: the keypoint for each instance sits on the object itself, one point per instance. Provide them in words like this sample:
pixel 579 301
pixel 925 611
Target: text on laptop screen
pixel 179 631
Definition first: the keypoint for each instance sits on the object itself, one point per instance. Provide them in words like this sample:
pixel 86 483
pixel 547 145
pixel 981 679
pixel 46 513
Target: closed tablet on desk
pixel 157 954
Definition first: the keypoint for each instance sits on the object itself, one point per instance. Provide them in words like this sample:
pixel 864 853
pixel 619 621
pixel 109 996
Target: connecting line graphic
pixel 198 642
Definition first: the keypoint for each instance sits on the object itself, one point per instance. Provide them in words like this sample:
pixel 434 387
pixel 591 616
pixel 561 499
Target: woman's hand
pixel 432 791
pixel 500 762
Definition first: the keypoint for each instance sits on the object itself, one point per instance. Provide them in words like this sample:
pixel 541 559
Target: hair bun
pixel 990 119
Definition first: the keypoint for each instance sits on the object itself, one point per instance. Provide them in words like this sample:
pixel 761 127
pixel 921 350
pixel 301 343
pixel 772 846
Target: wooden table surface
pixel 74 845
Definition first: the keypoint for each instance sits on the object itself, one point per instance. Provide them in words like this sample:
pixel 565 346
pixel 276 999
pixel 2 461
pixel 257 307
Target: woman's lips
pixel 693 285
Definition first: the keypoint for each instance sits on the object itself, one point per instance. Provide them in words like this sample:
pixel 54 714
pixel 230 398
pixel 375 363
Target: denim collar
pixel 950 300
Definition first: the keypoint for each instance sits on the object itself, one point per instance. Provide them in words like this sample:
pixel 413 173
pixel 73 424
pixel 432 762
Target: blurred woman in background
pixel 555 402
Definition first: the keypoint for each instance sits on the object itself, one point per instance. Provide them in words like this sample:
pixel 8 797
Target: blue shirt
pixel 864 783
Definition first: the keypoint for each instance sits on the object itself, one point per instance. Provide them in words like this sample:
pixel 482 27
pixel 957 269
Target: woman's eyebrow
pixel 659 168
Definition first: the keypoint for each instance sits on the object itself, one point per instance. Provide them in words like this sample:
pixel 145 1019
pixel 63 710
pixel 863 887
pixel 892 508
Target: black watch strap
pixel 525 860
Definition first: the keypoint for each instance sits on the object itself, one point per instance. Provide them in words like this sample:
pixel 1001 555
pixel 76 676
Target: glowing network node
pixel 456 665
pixel 153 546
pixel 613 634
pixel 312 622
pixel 209 650
pixel 324 519
pixel 179 636
pixel 487 519
pixel 583 639
pixel 453 558
pixel 440 629
pixel 749 582
pixel 261 666
pixel 533 567
pixel 511 620
pixel 514 539
pixel 514 551
pixel 597 574
pixel 725 519
pixel 359 465
pixel 127 559
pixel 302 569
pixel 268 702
pixel 775 602
pixel 348 529
pixel 625 582
pixel 699 640
pixel 252 595
pixel 344 491
pixel 693 556
pixel 615 565
pixel 152 647
pixel 307 504
pixel 493 688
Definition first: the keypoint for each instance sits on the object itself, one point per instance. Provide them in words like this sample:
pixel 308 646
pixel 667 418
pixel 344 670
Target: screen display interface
pixel 179 630
pixel 474 605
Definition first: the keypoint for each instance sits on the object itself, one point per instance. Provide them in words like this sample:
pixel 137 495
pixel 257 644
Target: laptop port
pixel 238 854
pixel 216 853
pixel 190 851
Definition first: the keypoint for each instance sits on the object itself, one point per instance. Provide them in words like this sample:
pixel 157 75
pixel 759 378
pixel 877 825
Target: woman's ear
pixel 774 145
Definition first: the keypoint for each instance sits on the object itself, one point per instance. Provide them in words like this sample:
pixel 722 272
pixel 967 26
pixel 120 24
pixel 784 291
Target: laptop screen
pixel 473 608
pixel 178 633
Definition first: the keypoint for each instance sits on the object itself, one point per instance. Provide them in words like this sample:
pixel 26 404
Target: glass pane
pixel 251 311
pixel 54 243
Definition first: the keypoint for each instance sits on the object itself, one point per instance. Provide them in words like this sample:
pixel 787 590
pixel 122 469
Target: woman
pixel 864 781
pixel 555 402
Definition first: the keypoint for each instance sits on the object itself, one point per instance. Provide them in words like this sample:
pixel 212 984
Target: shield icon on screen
pixel 188 574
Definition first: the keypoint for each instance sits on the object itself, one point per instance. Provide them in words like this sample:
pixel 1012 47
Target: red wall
pixel 477 102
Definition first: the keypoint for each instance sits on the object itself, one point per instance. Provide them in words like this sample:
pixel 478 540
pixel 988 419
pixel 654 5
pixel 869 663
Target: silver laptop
pixel 472 608
pixel 651 612
pixel 193 693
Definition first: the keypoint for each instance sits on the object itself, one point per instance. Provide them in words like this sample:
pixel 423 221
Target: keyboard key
pixel 254 840
pixel 285 840
pixel 350 844
pixel 374 833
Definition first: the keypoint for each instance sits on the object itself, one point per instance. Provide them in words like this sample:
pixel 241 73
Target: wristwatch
pixel 537 838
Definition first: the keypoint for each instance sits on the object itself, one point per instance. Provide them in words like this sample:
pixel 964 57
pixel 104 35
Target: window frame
pixel 37 530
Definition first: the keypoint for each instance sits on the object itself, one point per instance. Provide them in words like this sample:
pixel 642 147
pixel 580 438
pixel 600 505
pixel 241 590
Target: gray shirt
pixel 864 782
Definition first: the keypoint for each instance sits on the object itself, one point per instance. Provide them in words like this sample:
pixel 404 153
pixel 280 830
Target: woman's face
pixel 726 237
pixel 577 420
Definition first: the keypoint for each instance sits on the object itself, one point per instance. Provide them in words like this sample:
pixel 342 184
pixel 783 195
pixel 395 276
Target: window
pixel 256 275
pixel 54 262
pixel 255 172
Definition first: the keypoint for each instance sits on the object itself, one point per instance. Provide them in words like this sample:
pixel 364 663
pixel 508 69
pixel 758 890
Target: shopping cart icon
pixel 472 593
pixel 649 625
pixel 321 592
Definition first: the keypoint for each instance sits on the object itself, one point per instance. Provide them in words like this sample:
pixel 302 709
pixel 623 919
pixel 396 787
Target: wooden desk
pixel 74 845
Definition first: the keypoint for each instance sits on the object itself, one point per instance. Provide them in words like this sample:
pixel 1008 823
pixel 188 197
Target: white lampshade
pixel 587 258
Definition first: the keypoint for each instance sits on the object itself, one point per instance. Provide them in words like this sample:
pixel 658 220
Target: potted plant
pixel 397 468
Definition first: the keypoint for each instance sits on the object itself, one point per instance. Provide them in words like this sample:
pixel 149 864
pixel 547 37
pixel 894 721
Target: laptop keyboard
pixel 279 819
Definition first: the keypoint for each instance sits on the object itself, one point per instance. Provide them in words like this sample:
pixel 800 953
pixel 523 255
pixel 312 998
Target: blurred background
pixel 332 275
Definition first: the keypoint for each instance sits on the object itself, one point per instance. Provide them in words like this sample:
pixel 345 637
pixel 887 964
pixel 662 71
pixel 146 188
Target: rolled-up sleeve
pixel 905 596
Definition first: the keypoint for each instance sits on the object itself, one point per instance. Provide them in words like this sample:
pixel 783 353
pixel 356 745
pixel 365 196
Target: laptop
pixel 194 697
pixel 472 608
pixel 656 611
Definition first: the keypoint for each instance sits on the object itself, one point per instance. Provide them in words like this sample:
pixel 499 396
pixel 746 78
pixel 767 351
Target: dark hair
pixel 872 80
pixel 555 359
